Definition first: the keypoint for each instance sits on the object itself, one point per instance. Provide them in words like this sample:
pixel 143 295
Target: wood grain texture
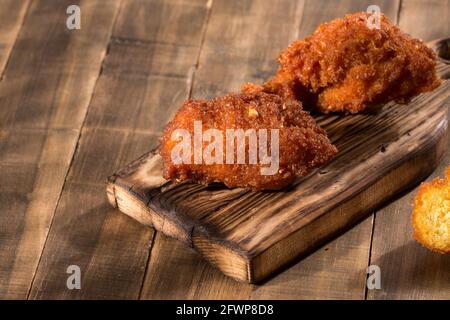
pixel 143 75
pixel 177 272
pixel 415 14
pixel 151 65
pixel 409 271
pixel 245 48
pixel 330 285
pixel 236 49
pixel 338 269
pixel 250 235
pixel 11 19
pixel 44 95
pixel 335 271
pixel 242 41
pixel 317 12
pixel 88 233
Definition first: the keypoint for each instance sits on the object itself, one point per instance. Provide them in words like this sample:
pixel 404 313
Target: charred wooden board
pixel 250 235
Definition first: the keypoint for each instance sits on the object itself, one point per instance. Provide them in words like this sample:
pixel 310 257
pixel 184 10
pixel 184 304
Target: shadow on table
pixel 413 272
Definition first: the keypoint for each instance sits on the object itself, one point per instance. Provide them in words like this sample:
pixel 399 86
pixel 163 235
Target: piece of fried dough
pixel 302 144
pixel 345 66
pixel 431 215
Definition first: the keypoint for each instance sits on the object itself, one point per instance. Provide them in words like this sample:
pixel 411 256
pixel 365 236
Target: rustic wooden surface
pixel 251 235
pixel 76 106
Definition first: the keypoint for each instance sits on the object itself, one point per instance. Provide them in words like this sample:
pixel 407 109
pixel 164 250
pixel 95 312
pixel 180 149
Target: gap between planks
pixel 190 84
pixel 105 54
pixel 374 215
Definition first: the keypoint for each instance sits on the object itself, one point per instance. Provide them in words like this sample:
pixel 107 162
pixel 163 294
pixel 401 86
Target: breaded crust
pixel 431 215
pixel 303 145
pixel 345 66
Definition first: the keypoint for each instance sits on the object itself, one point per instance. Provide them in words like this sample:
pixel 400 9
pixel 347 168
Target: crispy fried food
pixel 284 85
pixel 431 215
pixel 303 145
pixel 344 66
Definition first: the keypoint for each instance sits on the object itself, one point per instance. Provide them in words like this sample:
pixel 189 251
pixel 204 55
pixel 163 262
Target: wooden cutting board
pixel 250 235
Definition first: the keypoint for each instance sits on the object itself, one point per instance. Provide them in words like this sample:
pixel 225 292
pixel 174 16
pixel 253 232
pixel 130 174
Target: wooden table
pixel 76 105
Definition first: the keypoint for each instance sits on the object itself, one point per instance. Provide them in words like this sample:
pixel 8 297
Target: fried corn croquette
pixel 431 215
pixel 285 86
pixel 344 66
pixel 303 145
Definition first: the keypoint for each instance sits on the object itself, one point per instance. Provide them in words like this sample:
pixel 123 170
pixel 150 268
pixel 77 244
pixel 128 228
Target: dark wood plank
pixel 242 43
pixel 110 250
pixel 180 273
pixel 335 271
pixel 184 22
pixel 144 77
pixel 11 19
pixel 409 271
pixel 54 68
pixel 44 95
